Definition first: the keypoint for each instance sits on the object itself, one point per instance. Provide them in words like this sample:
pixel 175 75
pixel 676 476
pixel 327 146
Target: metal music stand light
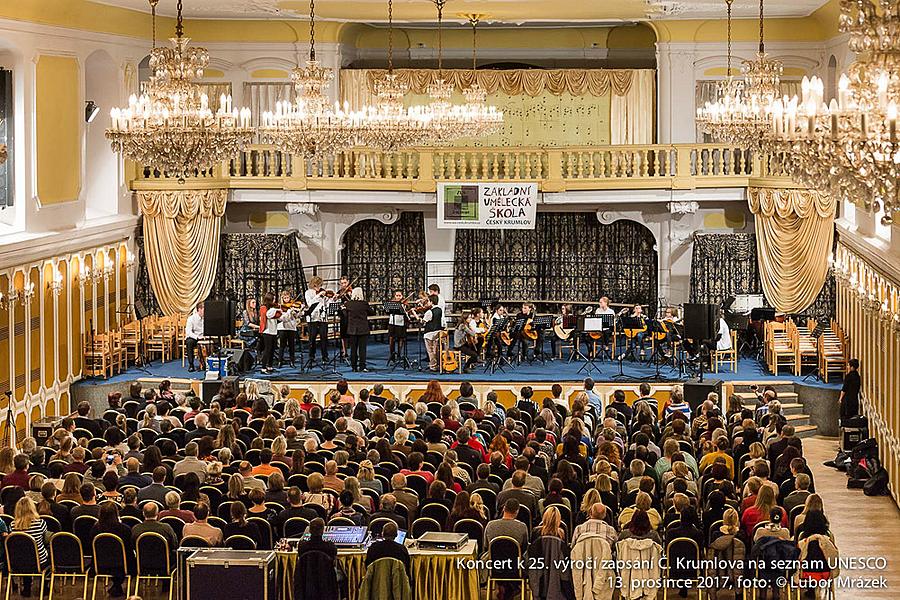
pixel 588 324
pixel 397 308
pixel 492 343
pixel 541 324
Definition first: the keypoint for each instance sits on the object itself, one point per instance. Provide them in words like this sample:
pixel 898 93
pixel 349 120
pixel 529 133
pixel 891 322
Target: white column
pixel 675 81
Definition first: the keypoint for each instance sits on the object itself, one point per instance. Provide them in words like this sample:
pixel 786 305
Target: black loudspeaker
pixel 700 321
pixel 140 311
pixel 695 392
pixel 218 318
pixel 240 362
pixel 208 389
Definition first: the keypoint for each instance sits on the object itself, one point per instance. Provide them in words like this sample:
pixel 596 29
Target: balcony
pixel 658 166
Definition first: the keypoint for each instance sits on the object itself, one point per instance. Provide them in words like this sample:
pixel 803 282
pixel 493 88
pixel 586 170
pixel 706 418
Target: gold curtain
pixel 577 82
pixel 181 244
pixel 794 237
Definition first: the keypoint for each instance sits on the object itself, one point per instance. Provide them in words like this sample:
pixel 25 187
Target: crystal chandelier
pixel 389 124
pixel 718 117
pixel 482 119
pixel 849 146
pixel 454 121
pixel 741 113
pixel 310 126
pixel 171 127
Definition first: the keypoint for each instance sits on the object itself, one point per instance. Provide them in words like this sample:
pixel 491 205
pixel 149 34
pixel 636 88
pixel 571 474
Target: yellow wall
pixel 58 114
pixel 269 74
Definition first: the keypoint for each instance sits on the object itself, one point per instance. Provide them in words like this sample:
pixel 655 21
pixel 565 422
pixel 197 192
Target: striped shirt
pixel 38 531
pixel 682 407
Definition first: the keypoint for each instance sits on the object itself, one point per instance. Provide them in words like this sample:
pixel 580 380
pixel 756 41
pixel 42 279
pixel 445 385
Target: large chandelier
pixel 741 113
pixel 310 126
pixel 390 125
pixel 849 146
pixel 453 121
pixel 483 119
pixel 171 126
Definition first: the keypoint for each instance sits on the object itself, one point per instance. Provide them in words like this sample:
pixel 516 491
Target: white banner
pixel 506 205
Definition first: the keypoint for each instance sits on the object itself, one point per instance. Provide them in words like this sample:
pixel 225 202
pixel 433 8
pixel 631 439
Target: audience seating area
pixel 113 495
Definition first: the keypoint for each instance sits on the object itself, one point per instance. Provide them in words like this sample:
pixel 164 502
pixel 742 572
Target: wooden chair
pixel 805 349
pixel 778 347
pixel 97 356
pixel 726 356
pixel 832 350
pixel 131 341
pixel 160 339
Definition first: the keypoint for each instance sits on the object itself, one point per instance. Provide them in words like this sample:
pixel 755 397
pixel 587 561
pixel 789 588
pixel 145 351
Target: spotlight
pixel 91 110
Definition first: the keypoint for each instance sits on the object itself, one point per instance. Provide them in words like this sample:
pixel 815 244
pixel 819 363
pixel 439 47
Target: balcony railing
pixel 673 166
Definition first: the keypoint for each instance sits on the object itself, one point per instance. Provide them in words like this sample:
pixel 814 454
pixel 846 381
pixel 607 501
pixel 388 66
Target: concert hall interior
pixel 358 299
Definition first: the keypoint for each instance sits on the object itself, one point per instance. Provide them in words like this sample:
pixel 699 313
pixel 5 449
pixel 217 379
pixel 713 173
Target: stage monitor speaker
pixel 240 362
pixel 218 318
pixel 140 311
pixel 700 321
pixel 695 392
pixel 208 389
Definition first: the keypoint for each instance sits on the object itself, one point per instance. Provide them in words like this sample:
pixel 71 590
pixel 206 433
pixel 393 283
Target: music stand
pixel 816 334
pixel 332 317
pixel 515 334
pixel 541 324
pixel 393 308
pixel 492 341
pixel 609 324
pixel 588 324
pixel 656 327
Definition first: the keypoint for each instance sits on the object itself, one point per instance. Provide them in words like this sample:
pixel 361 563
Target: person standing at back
pixel 849 399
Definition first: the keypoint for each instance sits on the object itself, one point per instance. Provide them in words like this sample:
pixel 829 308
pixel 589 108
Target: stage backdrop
pixel 567 257
pixel 725 264
pixel 381 258
pixel 249 265
pixel 542 107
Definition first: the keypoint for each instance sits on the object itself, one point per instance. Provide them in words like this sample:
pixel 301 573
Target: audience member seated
pixel 507 525
pixel 201 527
pixel 388 547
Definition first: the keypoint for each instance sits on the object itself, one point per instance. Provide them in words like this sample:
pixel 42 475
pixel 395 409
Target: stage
pixel 602 371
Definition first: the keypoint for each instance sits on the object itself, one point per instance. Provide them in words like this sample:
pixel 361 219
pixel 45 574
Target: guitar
pixel 449 363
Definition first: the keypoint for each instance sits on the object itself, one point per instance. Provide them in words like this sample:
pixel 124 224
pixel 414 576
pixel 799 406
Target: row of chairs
pixel 795 346
pixel 110 352
pixel 108 560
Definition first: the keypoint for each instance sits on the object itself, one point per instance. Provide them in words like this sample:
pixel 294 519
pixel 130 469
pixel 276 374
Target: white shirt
pixel 272 321
pixel 194 327
pixel 288 320
pixel 442 304
pixel 318 314
pixel 724 342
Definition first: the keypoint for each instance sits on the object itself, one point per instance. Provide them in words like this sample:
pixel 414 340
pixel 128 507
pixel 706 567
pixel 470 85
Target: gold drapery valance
pixel 577 82
pixel 181 244
pixel 794 237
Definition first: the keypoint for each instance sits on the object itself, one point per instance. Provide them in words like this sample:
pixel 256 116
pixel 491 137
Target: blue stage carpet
pixel 749 369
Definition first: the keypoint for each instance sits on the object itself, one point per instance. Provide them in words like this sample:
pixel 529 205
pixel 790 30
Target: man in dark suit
pixel 482 483
pixel 201 421
pixel 83 421
pixel 386 507
pixel 464 452
pixel 134 476
pixel 520 493
pixel 296 509
pixel 157 490
pixel 387 547
pixel 314 575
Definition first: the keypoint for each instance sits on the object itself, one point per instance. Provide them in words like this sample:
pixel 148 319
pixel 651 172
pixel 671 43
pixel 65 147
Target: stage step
pixel 785 397
pixel 805 431
pixel 780 386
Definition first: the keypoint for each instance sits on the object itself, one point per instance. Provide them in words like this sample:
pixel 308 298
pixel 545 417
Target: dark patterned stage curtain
pixel 250 264
pixel 568 257
pixel 381 258
pixel 143 291
pixel 725 264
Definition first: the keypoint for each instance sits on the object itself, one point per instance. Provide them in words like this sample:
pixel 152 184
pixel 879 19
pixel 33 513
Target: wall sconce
pixel 96 275
pixel 56 284
pixel 129 260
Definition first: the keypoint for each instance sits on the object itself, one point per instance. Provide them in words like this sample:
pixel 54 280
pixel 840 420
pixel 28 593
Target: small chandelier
pixel 481 119
pixel 717 118
pixel 310 126
pixel 850 146
pixel 390 125
pixel 171 127
pixel 740 114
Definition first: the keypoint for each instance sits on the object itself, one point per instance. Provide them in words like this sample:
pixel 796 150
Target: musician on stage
pixel 343 294
pixel 521 341
pixel 605 335
pixel 317 325
pixel 637 341
pixel 723 340
pixel 433 319
pixel 249 331
pixel 397 324
pixel 499 313
pixel 435 290
pixel 269 315
pixel 562 321
pixel 193 333
pixel 287 328
pixel 358 311
pixel 469 337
